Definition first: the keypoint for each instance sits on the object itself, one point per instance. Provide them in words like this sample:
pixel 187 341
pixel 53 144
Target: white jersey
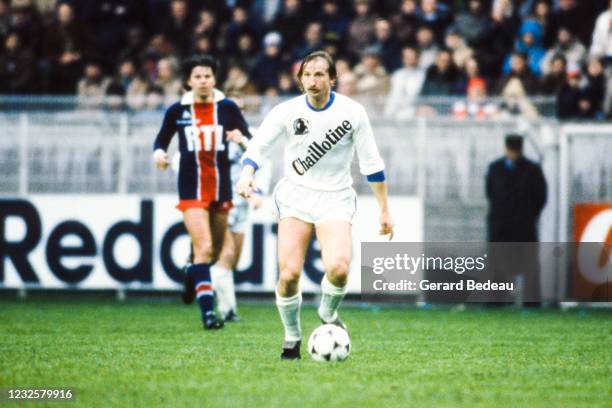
pixel 319 144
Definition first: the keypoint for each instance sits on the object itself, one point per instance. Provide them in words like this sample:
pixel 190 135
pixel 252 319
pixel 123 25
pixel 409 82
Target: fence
pixel 441 159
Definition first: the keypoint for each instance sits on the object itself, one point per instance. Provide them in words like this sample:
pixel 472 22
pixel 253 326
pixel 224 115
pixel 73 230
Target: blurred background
pixel 84 85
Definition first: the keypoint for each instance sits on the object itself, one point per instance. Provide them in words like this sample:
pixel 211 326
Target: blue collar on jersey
pixel 332 95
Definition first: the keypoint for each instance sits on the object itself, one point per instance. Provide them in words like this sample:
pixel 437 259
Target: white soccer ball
pixel 329 343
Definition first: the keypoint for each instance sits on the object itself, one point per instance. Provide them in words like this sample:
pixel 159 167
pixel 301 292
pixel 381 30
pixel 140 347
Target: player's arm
pixel 386 222
pixel 163 139
pixel 239 132
pixel 258 149
pixel 373 167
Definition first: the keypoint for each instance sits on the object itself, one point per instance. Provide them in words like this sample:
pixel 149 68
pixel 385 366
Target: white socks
pixel 223 284
pixel 331 296
pixel 289 310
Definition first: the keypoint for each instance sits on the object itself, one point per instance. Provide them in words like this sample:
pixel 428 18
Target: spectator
pixel 346 83
pixel 476 105
pixel 500 39
pixel 515 102
pixel 436 16
pixel 93 85
pixel 333 20
pixel 133 86
pixel 313 41
pixel 178 28
pixel 16 67
pixel 473 25
pixel 65 44
pixel 5 18
pixel 542 14
pixel 601 45
pixel 406 22
pixel 519 71
pixel 238 83
pixel 24 21
pixel 570 94
pixel 202 45
pixel 427 47
pixel 168 79
pixel 471 71
pixel 114 100
pixel 291 22
pixel 456 45
pixel 406 84
pixel 361 29
pixel 111 20
pixel 207 25
pixel 389 48
pixel 572 14
pixel 555 76
pixel 286 85
pixel 442 78
pixel 241 24
pixel 246 55
pixel 594 88
pixel 568 46
pixel 269 64
pixel 372 79
pixel 157 48
pixel 529 43
pixel 135 43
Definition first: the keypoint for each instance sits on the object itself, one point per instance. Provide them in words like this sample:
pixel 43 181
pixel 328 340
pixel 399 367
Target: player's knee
pixel 203 251
pixel 289 275
pixel 338 268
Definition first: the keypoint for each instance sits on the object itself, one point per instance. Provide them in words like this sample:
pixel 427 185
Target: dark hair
pixel 197 60
pixel 514 142
pixel 331 67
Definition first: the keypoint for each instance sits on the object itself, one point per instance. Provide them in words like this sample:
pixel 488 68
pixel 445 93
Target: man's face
pixel 315 78
pixel 127 69
pixel 202 81
pixel 178 9
pixel 513 154
pixel 443 61
pixel 383 30
pixel 517 64
pixel 409 58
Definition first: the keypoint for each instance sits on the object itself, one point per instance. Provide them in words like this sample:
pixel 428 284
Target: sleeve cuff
pixel 376 177
pixel 250 163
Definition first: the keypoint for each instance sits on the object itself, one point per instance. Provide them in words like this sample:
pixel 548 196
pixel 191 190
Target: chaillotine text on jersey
pixel 317 151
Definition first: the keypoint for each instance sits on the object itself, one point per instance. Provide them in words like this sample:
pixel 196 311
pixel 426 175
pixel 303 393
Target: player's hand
pixel 160 157
pixel 386 224
pixel 255 201
pixel 246 186
pixel 234 136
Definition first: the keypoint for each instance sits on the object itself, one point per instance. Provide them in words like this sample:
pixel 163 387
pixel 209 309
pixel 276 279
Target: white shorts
pixel 313 206
pixel 238 216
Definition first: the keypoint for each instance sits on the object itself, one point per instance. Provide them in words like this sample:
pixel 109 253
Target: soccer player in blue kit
pixel 320 130
pixel 205 121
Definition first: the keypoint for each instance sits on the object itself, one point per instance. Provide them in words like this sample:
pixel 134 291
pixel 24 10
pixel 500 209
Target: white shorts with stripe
pixel 313 206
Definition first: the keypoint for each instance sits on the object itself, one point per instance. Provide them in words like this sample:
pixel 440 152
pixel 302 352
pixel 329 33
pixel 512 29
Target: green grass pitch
pixel 147 353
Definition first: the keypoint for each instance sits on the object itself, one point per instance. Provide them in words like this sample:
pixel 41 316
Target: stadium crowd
pixel 390 50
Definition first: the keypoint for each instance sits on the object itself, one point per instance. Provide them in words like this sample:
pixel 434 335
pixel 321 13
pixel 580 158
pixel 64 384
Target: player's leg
pixel 335 238
pixel 198 226
pixel 223 277
pixel 293 239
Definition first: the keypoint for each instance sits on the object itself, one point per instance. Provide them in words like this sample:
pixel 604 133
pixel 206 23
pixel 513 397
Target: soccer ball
pixel 329 343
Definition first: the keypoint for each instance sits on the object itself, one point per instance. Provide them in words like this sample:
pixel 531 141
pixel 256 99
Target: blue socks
pixel 203 287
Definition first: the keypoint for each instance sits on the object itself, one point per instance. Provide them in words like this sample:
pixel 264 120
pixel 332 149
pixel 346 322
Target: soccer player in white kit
pixel 321 131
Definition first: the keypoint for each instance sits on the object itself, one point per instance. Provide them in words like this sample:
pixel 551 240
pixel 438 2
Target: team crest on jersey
pixel 300 127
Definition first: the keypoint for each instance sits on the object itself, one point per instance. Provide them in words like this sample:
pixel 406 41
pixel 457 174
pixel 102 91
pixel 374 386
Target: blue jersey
pixel 204 171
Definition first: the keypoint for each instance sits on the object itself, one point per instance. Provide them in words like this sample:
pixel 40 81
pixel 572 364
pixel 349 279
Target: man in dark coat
pixel 516 190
